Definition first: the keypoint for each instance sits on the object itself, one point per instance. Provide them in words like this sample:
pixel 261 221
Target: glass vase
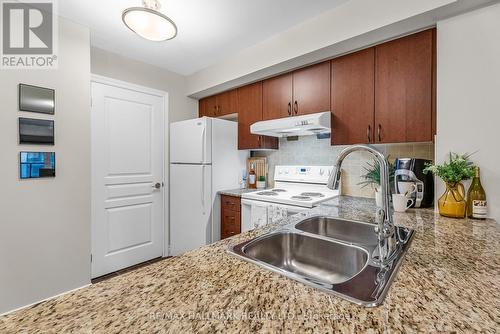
pixel 452 203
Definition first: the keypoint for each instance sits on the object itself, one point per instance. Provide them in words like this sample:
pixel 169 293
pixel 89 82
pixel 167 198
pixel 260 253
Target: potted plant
pixel 459 168
pixel 261 182
pixel 372 178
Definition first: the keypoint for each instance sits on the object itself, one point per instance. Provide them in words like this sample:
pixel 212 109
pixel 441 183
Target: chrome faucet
pixel 387 241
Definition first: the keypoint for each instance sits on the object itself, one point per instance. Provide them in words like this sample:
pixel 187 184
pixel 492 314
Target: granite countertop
pixel 448 282
pixel 237 192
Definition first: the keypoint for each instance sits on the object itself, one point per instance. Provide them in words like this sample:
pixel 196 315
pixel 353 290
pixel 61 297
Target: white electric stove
pixel 296 189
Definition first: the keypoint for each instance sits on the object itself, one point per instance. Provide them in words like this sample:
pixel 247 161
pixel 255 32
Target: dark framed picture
pixel 36 131
pixel 37 99
pixel 34 165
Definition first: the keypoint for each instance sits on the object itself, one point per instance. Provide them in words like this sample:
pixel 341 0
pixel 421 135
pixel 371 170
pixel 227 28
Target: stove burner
pixel 268 193
pixel 312 194
pixel 301 198
pixel 279 190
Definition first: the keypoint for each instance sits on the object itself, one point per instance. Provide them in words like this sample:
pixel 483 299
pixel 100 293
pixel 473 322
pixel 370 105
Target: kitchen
pixel 297 189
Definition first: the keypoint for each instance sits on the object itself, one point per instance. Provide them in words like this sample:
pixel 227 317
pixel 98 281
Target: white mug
pixel 401 203
pixel 408 188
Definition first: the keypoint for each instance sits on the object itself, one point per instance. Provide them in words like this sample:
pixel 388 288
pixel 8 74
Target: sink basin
pixel 316 259
pixel 346 230
pixel 334 255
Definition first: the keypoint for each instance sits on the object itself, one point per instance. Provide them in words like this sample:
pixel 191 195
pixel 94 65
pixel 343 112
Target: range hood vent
pixel 306 125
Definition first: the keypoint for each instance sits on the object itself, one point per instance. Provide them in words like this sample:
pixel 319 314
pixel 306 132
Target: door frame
pixel 165 144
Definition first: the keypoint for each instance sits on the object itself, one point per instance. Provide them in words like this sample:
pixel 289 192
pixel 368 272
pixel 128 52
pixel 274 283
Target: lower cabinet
pixel 230 216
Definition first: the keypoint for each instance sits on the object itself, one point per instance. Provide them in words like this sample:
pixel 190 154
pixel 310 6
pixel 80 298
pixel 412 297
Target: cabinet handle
pixel 289 108
pixel 259 141
pixel 368 133
pixel 378 132
pixel 296 107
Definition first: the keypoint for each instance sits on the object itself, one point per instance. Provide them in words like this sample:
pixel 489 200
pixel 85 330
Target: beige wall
pixel 45 223
pixel 118 67
pixel 468 103
pixel 352 25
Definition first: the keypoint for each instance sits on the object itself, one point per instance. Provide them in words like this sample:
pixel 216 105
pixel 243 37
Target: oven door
pixel 258 213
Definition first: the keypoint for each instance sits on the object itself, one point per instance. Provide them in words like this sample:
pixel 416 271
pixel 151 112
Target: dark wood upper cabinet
pixel 207 106
pixel 249 101
pixel 227 103
pixel 353 92
pixel 383 94
pixel 277 97
pixel 403 89
pixel 311 89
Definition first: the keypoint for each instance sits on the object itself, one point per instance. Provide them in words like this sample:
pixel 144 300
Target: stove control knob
pixel 321 172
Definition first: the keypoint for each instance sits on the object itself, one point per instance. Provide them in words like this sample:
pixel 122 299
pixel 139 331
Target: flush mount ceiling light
pixel 148 22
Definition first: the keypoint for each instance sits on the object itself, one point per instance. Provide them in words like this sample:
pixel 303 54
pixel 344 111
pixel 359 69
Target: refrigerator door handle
pixel 203 188
pixel 203 148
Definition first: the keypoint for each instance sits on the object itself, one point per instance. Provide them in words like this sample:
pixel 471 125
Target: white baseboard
pixel 43 300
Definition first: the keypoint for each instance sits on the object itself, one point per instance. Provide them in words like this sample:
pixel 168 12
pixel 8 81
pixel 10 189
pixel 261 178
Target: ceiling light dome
pixel 148 22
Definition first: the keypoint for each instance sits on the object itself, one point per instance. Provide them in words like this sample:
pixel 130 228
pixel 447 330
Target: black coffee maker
pixel 409 178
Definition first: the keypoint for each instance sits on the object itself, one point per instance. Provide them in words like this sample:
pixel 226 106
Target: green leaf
pixel 458 168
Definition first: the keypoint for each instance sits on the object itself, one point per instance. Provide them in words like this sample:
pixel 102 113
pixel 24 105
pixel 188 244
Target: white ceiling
pixel 208 29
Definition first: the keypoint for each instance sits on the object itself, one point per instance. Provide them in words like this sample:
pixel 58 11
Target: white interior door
pixel 190 207
pixel 127 177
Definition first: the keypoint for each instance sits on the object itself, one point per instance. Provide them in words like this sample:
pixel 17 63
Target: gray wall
pixel 468 114
pixel 45 223
pixel 118 67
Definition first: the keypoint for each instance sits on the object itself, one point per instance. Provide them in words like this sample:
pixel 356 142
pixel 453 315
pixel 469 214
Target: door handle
pixel 368 133
pixel 296 107
pixel 203 188
pixel 378 132
pixel 203 144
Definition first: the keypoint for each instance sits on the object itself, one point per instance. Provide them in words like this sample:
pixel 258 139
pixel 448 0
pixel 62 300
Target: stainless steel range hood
pixel 306 125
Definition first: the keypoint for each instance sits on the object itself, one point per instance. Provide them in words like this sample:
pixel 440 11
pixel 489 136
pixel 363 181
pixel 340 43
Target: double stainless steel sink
pixel 331 254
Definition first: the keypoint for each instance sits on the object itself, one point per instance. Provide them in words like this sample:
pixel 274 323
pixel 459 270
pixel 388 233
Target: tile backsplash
pixel 312 151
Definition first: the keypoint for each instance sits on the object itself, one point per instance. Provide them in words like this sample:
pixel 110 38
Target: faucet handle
pixel 334 179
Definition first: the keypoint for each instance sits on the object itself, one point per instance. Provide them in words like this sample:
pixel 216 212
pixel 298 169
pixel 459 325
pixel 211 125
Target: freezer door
pixel 191 141
pixel 190 207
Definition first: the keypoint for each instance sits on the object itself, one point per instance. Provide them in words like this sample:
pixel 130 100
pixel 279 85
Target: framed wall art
pixel 33 165
pixel 37 99
pixel 36 131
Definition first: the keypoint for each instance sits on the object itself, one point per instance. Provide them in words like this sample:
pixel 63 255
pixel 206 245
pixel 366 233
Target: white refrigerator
pixel 204 159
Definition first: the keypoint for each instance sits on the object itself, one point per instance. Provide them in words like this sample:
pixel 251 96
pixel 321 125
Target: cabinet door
pixel 277 97
pixel 227 103
pixel 231 223
pixel 403 89
pixel 353 93
pixel 207 106
pixel 249 112
pixel 311 89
